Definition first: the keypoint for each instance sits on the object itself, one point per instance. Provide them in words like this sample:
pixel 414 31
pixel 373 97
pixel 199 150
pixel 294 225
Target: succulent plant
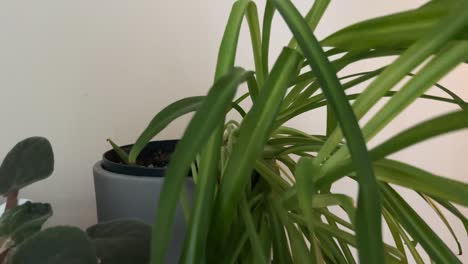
pixel 22 240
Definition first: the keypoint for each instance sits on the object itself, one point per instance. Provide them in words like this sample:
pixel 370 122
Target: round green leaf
pixel 121 242
pixel 21 222
pixel 29 161
pixel 57 245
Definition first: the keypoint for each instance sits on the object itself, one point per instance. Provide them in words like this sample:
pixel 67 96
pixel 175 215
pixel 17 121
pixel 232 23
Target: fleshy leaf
pixel 29 161
pixel 57 245
pixel 121 242
pixel 21 222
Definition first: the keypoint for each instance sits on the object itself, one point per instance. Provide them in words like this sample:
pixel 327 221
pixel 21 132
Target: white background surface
pixel 78 72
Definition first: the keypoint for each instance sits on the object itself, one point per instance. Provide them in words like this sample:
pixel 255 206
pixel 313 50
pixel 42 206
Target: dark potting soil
pixel 156 154
pixel 159 159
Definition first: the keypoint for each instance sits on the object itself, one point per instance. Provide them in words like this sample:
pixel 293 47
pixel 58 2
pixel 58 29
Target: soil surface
pixel 158 159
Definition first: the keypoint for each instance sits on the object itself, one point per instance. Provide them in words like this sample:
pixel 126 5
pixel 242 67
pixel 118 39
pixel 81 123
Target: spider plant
pixel 263 190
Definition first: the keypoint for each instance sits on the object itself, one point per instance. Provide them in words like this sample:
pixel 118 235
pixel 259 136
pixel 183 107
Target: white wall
pixel 78 72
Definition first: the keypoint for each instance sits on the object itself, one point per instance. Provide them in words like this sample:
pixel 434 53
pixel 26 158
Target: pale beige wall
pixel 78 72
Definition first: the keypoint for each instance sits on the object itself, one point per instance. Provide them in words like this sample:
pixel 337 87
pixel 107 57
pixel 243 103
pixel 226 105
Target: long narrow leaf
pixel 266 32
pixel 426 78
pixel 253 134
pixel 120 152
pixel 252 232
pixel 437 126
pixel 396 30
pixel 209 116
pixel 210 156
pixel 162 120
pixel 198 228
pixel 313 103
pixel 305 170
pixel 313 17
pixel 255 36
pixel 414 178
pixel 228 49
pixel 281 252
pixel 368 230
pixel 433 41
pixel 434 127
pixel 418 229
pixel 444 220
pixel 398 234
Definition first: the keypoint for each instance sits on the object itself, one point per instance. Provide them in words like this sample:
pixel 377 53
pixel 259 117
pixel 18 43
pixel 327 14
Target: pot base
pixel 125 196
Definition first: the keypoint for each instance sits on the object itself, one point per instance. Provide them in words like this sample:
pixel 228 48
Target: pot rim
pixel 135 170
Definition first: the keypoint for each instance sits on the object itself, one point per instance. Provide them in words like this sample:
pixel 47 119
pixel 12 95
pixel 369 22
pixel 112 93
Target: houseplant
pixel 237 218
pixel 130 190
pixel 21 239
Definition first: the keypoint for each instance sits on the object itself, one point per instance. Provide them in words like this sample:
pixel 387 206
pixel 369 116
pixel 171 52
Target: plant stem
pixel 3 256
pixel 12 200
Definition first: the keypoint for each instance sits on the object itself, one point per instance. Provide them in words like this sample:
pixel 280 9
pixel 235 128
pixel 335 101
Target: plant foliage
pixel 263 190
pixel 23 242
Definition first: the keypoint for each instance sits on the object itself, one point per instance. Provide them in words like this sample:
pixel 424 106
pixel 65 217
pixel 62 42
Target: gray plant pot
pixel 120 195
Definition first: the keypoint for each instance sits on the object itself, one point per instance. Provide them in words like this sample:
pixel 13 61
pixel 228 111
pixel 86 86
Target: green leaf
pixel 162 120
pixel 305 170
pixel 233 253
pixel 456 99
pixel 228 48
pixel 57 245
pixel 428 76
pixel 397 30
pixel 29 161
pixel 253 88
pixel 265 170
pixel 304 103
pixel 454 210
pixel 428 129
pixel 349 257
pixel 416 179
pixel 324 200
pixel 21 222
pixel 330 249
pixel 342 235
pixel 417 227
pixel 398 234
pixel 463 105
pixel 266 32
pixel 434 40
pixel 120 152
pixel 255 241
pixel 194 247
pixel 316 13
pixel 369 233
pixel 444 220
pixel 280 242
pixel 252 19
pixel 405 175
pixel 209 116
pixel 293 140
pixel 265 234
pixel 253 134
pixel 121 242
pixel 313 17
pixel 299 250
pixel 313 103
